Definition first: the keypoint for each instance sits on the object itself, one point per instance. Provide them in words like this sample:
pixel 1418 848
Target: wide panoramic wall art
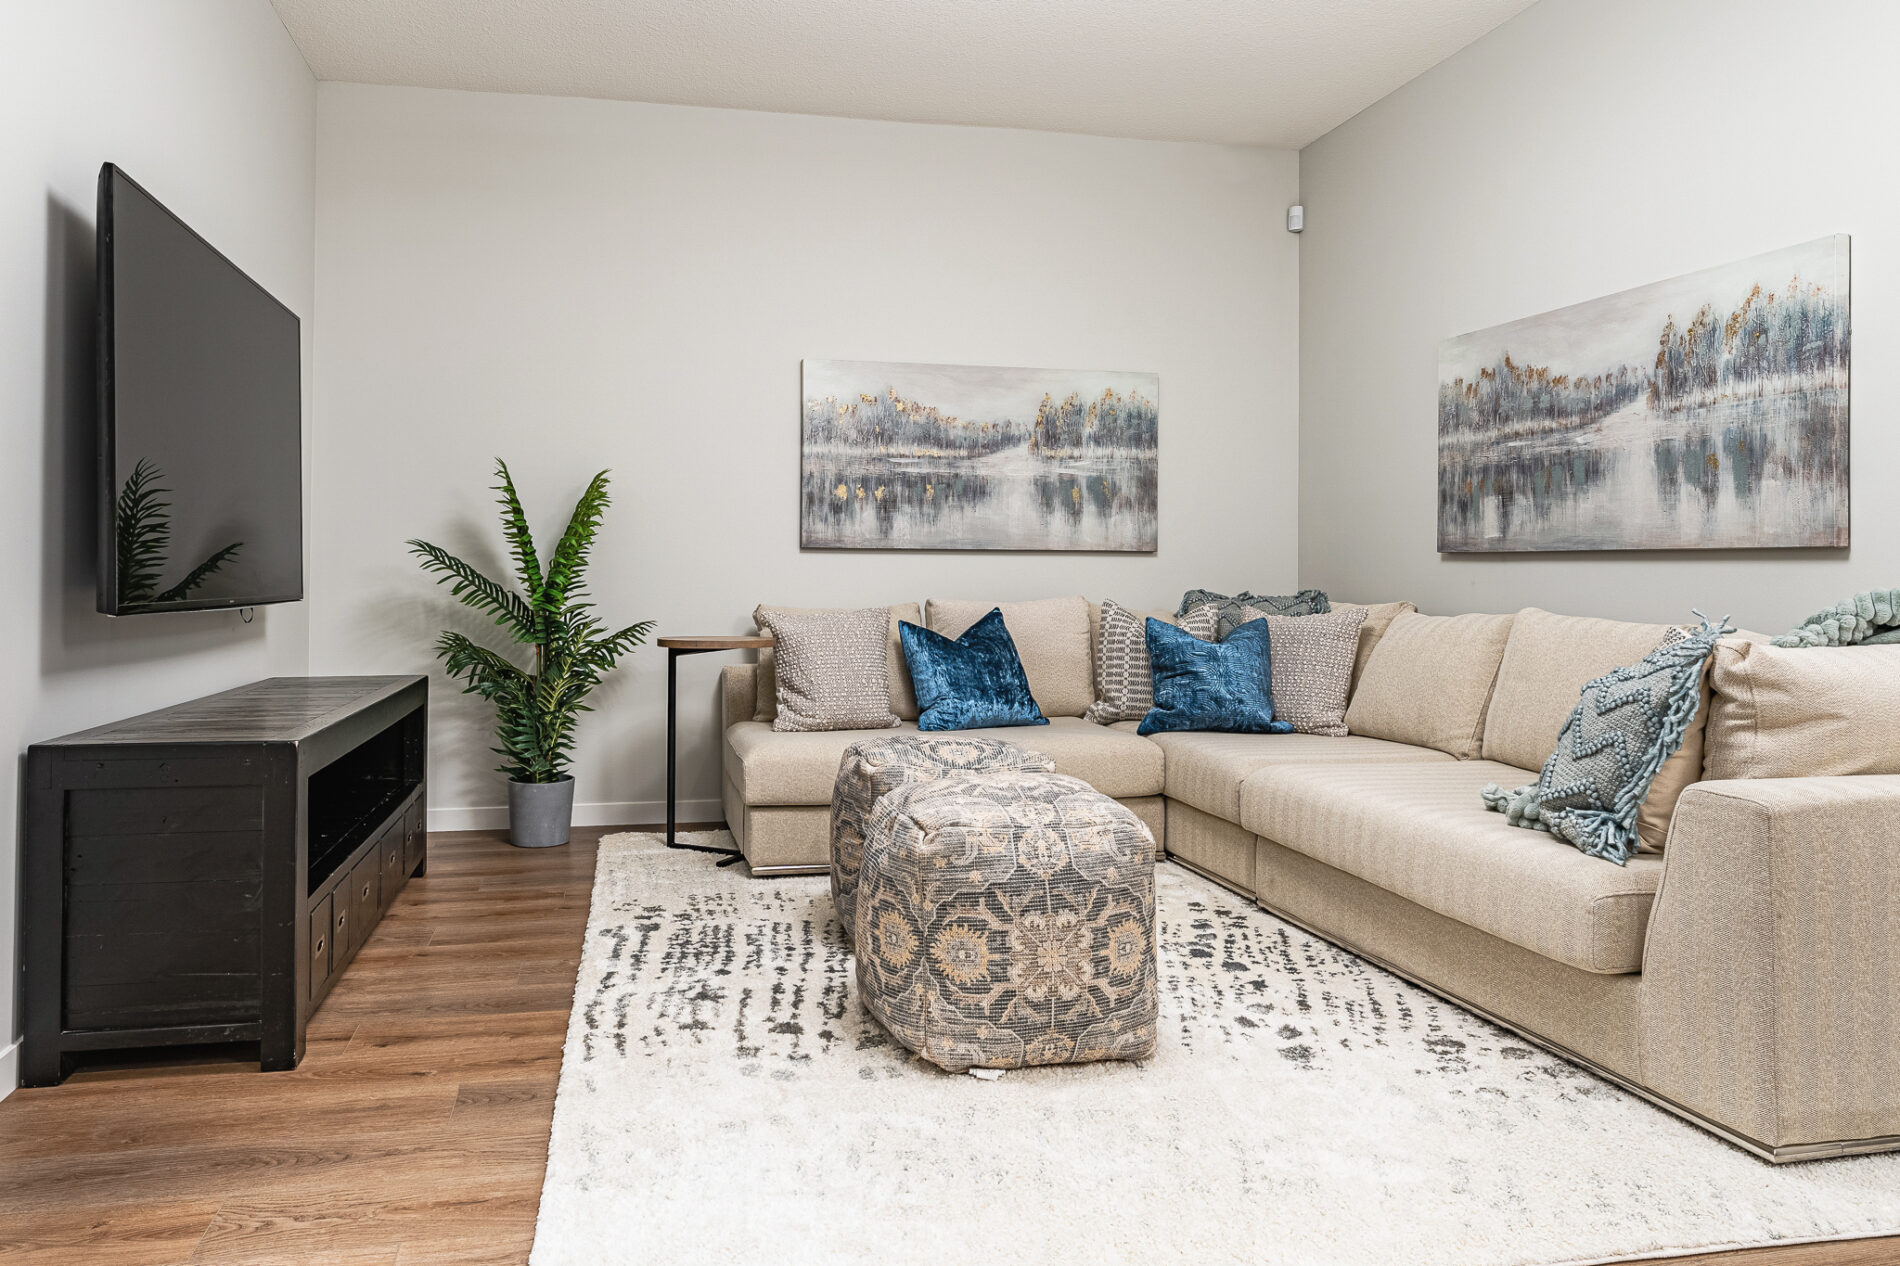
pixel 1705 412
pixel 903 456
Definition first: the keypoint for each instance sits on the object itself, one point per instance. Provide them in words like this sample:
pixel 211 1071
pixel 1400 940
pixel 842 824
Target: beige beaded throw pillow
pixel 1312 658
pixel 832 671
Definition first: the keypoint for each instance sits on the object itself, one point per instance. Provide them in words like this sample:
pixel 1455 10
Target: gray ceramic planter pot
pixel 539 813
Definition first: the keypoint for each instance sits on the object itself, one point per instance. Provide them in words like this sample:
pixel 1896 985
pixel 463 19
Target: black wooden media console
pixel 204 873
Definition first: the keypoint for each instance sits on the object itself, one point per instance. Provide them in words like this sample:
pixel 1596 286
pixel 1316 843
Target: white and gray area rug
pixel 724 1098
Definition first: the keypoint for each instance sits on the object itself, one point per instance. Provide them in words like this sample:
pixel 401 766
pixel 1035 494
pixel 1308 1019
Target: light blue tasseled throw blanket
pixel 1625 725
pixel 1862 620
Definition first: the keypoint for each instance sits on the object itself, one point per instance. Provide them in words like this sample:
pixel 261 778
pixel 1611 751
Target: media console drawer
pixel 415 835
pixel 365 902
pixel 205 873
pixel 390 849
pixel 321 917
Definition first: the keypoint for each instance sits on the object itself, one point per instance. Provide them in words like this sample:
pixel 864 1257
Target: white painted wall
pixel 209 105
pixel 580 284
pixel 1584 147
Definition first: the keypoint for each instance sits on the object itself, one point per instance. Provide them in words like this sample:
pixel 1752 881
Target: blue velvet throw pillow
pixel 974 681
pixel 1200 685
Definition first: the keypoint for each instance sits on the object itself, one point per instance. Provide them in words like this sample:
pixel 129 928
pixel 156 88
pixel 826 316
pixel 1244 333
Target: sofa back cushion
pixel 1428 681
pixel 1379 617
pixel 1051 637
pixel 1803 712
pixel 903 699
pixel 1547 662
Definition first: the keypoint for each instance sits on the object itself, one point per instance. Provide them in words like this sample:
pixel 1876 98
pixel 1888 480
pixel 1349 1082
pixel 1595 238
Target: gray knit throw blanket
pixel 1864 619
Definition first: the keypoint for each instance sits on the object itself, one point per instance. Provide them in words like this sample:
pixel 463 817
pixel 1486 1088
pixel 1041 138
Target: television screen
pixel 201 424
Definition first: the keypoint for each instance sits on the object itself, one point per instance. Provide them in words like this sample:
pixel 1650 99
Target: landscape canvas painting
pixel 1705 412
pixel 900 456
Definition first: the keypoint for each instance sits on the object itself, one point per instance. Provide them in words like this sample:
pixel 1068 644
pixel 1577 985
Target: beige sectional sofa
pixel 1746 977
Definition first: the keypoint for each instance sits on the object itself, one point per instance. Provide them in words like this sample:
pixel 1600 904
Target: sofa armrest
pixel 1771 972
pixel 738 694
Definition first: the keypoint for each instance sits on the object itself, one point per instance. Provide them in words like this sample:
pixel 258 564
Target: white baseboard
pixel 605 813
pixel 9 1070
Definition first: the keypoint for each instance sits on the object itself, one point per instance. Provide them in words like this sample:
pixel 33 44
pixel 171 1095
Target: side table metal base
pixel 676 647
pixel 728 855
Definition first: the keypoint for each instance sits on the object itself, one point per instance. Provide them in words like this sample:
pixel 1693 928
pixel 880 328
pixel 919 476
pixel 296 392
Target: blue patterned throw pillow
pixel 1229 610
pixel 1628 722
pixel 976 680
pixel 1211 685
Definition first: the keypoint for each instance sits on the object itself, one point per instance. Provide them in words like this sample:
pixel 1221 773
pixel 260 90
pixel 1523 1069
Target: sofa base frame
pixel 1229 884
pixel 1783 1155
pixel 778 872
pixel 1778 1155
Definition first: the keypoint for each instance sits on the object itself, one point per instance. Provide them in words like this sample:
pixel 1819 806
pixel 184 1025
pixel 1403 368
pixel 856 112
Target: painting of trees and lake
pixel 970 457
pixel 1705 412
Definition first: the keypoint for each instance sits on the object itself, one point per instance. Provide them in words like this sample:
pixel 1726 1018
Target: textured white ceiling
pixel 1257 72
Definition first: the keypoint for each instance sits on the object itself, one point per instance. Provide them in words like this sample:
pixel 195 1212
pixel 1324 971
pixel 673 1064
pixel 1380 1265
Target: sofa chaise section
pixel 1764 1009
pixel 1420 832
pixel 1771 987
pixel 1586 1015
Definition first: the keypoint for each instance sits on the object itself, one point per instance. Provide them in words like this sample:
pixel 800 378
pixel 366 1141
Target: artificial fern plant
pixel 535 709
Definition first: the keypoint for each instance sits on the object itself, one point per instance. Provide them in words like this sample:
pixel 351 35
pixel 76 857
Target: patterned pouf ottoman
pixel 1008 919
pixel 873 768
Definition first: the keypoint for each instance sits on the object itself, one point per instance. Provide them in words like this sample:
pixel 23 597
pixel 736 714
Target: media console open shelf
pixel 204 873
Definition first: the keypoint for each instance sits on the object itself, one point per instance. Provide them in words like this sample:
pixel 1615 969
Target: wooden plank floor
pixel 416 1129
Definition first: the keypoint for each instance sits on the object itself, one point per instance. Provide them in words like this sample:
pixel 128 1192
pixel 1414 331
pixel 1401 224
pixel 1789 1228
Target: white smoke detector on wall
pixel 1295 218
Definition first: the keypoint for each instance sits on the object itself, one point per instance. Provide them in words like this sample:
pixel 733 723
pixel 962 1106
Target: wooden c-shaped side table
pixel 676 647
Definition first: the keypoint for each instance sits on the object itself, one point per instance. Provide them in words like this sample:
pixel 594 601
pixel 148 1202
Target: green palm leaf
pixel 514 526
pixel 537 710
pixel 478 591
pixel 486 672
pixel 564 579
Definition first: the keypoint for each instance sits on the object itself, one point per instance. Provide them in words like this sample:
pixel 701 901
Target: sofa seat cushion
pixel 1206 769
pixel 770 767
pixel 1420 831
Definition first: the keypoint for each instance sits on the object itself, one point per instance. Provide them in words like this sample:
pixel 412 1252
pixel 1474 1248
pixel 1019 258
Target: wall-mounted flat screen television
pixel 201 420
